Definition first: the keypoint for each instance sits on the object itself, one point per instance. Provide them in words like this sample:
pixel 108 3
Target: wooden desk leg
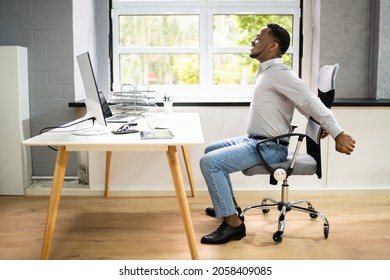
pixel 188 168
pixel 55 195
pixel 107 178
pixel 182 200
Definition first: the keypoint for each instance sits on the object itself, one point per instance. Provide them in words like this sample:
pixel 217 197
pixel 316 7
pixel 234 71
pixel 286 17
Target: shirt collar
pixel 267 64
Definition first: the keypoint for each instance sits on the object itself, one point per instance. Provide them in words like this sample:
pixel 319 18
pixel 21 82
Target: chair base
pixel 285 207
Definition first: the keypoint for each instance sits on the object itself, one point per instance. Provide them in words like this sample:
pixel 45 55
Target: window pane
pixel 288 59
pixel 233 69
pixel 159 69
pixel 239 30
pixel 238 69
pixel 159 30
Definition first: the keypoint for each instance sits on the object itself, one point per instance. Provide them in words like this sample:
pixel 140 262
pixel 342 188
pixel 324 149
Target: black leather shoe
pixel 210 211
pixel 224 234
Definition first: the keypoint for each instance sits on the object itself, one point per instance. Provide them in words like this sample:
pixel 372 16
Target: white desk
pixel 187 130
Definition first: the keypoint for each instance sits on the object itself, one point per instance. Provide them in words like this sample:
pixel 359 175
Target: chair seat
pixel 304 165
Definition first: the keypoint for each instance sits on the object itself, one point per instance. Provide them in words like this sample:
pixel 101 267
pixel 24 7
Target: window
pixel 195 50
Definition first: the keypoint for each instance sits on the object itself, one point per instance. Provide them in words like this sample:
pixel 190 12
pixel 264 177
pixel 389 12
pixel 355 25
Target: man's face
pixel 260 45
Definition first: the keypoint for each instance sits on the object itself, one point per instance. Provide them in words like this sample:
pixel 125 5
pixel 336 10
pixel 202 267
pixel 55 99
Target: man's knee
pixel 209 148
pixel 204 160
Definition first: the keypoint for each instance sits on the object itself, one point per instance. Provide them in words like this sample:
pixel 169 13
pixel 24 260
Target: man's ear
pixel 275 48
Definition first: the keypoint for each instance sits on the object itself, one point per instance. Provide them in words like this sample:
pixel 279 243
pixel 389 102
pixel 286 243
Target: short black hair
pixel 281 36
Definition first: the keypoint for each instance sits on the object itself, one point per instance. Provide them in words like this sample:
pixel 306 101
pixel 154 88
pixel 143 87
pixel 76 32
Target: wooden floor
pixel 151 228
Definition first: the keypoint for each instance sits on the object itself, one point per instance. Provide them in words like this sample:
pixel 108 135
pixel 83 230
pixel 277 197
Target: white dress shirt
pixel 278 90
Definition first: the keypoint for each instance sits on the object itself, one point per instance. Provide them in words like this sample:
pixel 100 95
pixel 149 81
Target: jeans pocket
pixel 273 153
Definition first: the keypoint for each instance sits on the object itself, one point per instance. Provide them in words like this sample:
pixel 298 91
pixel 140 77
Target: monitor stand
pixel 89 129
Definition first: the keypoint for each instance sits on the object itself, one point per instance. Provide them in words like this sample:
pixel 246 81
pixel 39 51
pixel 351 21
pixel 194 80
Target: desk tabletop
pixel 186 128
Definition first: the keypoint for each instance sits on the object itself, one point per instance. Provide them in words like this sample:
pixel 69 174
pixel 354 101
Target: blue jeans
pixel 231 155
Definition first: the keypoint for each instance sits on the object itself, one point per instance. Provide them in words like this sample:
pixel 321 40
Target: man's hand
pixel 344 143
pixel 324 133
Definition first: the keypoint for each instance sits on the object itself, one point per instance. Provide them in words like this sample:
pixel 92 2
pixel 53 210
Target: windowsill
pixel 363 102
pixel 339 102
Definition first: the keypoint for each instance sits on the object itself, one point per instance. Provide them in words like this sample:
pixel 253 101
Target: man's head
pixel 272 41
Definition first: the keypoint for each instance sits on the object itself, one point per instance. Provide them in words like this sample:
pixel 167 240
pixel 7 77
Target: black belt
pixel 277 141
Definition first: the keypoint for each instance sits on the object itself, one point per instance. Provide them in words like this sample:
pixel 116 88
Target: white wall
pixel 366 168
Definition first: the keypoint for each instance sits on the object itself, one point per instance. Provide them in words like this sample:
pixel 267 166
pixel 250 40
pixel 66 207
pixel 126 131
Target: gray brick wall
pixel 45 28
pixel 55 31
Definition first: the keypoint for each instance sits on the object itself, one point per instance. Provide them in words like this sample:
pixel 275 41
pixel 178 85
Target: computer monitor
pixel 92 101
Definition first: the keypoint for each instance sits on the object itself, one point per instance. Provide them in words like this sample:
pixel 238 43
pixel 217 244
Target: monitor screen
pixel 92 99
pixel 106 108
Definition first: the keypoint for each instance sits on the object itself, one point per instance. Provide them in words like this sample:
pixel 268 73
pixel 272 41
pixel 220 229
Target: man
pixel 278 91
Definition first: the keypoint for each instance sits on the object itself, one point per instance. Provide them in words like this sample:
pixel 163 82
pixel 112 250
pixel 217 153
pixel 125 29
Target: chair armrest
pixel 271 170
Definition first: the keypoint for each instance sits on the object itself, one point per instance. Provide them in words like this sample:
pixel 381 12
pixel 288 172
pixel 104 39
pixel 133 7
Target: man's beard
pixel 254 55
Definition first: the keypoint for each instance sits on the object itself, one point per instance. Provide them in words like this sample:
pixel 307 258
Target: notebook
pixel 114 118
pixel 156 134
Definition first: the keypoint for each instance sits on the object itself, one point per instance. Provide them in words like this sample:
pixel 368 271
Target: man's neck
pixel 268 58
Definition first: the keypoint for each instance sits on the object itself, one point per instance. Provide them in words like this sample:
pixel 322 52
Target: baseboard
pixel 74 189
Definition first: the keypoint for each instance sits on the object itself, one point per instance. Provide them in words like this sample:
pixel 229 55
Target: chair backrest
pixel 327 83
pixel 326 92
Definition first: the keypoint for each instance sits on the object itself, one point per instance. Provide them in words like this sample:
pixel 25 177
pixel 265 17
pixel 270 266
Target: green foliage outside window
pixel 240 30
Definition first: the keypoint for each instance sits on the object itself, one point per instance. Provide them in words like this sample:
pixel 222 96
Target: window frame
pixel 206 91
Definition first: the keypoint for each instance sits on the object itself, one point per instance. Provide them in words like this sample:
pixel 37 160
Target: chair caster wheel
pixel 265 211
pixel 313 216
pixel 277 237
pixel 326 231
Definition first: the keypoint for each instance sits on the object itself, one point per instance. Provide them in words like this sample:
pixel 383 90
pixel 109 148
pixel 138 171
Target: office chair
pixel 308 163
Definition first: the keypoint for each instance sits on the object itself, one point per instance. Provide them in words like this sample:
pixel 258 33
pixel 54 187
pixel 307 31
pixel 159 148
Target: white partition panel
pixel 15 158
